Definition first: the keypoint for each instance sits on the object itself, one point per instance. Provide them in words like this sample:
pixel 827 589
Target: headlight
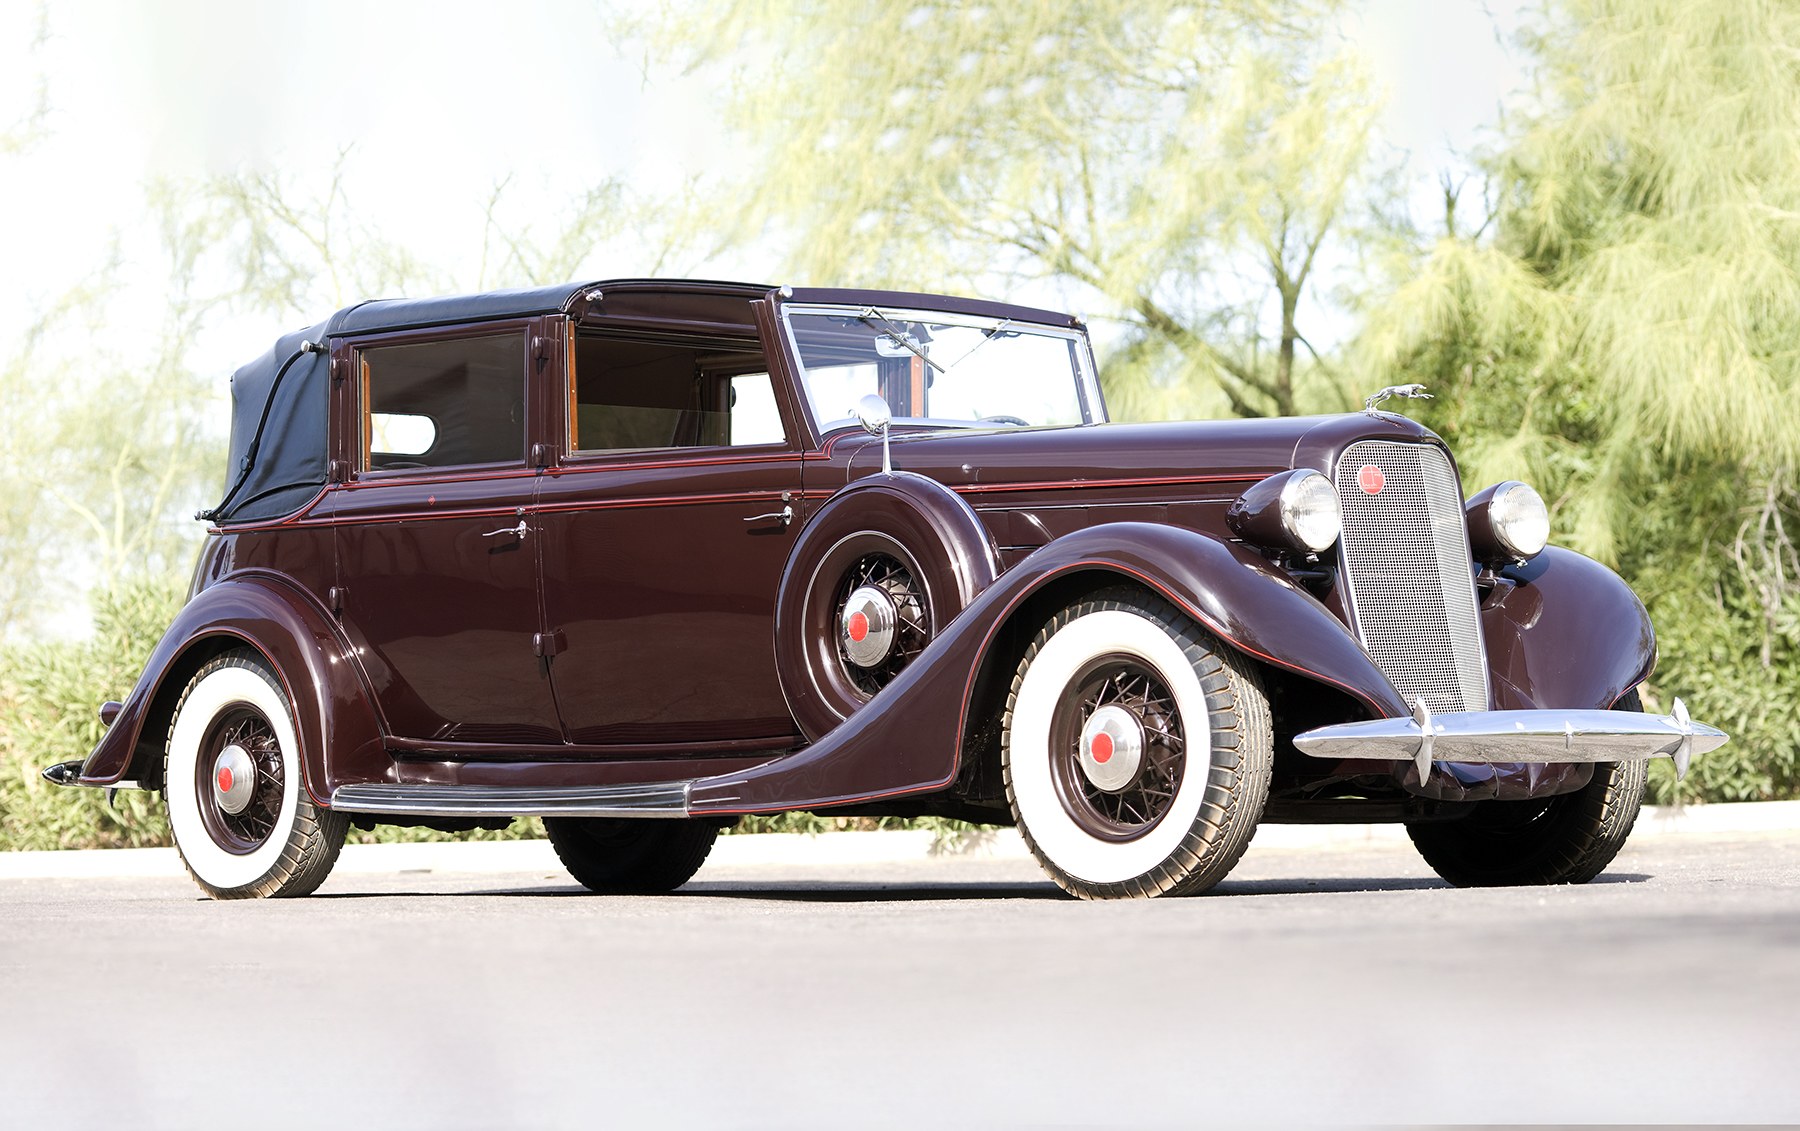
pixel 1310 512
pixel 1295 510
pixel 1508 522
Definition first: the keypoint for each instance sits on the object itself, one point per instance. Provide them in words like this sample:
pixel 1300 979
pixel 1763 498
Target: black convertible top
pixel 279 402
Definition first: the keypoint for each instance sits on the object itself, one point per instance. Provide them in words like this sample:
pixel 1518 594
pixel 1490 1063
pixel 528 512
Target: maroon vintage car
pixel 638 557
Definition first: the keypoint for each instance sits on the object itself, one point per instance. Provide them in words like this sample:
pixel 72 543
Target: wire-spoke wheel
pixel 232 779
pixel 883 621
pixel 867 613
pixel 621 856
pixel 1117 748
pixel 1136 750
pixel 1568 839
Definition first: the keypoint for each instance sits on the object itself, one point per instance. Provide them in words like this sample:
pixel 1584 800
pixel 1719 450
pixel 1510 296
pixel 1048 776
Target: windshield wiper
pixel 986 337
pixel 887 330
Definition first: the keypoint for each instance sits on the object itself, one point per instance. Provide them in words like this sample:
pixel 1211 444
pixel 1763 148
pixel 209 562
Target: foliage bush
pixel 49 696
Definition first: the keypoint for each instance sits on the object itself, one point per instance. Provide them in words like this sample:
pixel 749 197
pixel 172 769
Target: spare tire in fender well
pixel 922 525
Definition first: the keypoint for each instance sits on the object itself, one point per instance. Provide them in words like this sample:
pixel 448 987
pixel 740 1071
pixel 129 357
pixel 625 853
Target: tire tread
pixel 1238 774
pixel 318 834
pixel 1582 833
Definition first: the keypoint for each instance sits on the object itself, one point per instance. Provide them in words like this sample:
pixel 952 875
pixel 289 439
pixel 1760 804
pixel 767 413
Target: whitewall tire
pixel 232 778
pixel 1136 750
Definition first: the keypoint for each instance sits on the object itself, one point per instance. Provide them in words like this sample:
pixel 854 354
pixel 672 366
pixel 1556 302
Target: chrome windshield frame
pixel 1086 372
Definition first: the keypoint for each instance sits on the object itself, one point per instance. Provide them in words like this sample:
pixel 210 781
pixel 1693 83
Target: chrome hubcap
pixel 1112 748
pixel 866 626
pixel 233 779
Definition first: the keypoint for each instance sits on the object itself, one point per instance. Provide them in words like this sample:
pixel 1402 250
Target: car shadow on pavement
pixel 848 891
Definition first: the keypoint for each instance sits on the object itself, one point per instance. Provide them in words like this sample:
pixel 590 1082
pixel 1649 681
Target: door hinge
pixel 335 595
pixel 548 644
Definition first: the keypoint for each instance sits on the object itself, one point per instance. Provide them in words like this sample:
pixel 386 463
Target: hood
pixel 1226 451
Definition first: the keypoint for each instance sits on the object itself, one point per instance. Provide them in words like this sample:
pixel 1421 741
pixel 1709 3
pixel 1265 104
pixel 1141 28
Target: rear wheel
pixel 239 811
pixel 1568 839
pixel 619 856
pixel 1136 750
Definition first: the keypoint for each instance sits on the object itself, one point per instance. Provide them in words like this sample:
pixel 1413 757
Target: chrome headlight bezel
pixel 1508 523
pixel 1311 512
pixel 1294 510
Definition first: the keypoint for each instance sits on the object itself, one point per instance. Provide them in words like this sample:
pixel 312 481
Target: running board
pixel 662 799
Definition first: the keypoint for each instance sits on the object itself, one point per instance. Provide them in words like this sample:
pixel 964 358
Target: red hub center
pixel 1102 748
pixel 859 627
pixel 224 779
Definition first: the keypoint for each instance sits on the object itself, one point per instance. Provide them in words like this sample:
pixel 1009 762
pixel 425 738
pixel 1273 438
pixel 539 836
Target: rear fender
pixel 339 729
pixel 909 738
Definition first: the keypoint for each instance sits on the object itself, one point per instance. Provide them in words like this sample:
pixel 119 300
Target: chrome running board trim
pixel 1518 736
pixel 662 799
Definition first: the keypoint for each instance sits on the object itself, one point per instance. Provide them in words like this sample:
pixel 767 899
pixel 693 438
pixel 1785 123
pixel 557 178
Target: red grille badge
pixel 1370 479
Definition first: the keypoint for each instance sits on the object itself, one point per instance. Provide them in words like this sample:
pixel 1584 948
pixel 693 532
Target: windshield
pixel 931 367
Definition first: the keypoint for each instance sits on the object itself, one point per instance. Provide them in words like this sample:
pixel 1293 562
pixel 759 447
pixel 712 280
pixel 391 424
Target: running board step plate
pixel 663 799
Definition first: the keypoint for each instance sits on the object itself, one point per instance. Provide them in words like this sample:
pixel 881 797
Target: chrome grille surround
pixel 1408 573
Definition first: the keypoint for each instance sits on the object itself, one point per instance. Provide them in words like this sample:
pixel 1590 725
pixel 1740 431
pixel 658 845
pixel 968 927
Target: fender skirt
pixel 909 737
pixel 331 708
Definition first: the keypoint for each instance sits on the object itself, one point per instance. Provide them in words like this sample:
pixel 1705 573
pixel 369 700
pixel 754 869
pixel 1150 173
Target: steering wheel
pixel 1004 419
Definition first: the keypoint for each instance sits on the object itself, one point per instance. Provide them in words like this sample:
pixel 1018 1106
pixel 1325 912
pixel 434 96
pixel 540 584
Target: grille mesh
pixel 1406 560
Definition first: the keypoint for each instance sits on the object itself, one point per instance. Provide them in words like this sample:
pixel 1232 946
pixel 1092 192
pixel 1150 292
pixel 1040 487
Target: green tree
pixel 1183 168
pixel 1621 329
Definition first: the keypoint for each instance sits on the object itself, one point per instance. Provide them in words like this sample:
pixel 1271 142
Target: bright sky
pixel 1447 66
pixel 441 100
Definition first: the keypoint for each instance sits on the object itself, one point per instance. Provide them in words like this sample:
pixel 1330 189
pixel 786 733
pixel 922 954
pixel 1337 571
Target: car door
pixel 666 526
pixel 436 539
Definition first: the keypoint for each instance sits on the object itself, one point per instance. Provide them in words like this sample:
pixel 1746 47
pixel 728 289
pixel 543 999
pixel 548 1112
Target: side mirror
pixel 873 414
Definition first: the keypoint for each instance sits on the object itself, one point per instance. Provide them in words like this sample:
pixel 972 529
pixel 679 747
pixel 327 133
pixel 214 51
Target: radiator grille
pixel 1406 565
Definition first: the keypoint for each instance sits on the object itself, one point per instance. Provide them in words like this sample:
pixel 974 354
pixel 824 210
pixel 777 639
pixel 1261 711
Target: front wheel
pixel 623 856
pixel 1568 839
pixel 238 808
pixel 1136 750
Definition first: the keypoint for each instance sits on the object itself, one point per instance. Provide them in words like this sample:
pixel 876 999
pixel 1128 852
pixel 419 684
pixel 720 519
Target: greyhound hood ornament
pixel 1414 392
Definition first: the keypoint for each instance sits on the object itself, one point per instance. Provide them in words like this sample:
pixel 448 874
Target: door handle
pixel 785 514
pixel 519 531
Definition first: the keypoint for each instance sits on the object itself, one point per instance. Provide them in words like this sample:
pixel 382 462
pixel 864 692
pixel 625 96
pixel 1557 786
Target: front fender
pixel 332 710
pixel 1563 631
pixel 909 738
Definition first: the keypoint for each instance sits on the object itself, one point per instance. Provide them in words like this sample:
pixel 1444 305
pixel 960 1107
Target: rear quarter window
pixel 444 404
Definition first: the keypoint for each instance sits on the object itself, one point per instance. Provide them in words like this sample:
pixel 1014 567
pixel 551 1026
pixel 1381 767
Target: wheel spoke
pixel 1131 809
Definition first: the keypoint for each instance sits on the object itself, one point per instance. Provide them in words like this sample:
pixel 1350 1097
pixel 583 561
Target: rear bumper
pixel 1512 737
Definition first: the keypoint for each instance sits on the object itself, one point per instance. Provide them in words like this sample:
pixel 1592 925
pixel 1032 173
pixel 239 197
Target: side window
pixel 627 395
pixel 439 404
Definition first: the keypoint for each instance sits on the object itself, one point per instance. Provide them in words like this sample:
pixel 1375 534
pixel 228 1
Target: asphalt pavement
pixel 1339 984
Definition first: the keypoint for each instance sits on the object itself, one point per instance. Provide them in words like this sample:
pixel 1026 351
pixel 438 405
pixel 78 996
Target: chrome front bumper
pixel 1517 736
